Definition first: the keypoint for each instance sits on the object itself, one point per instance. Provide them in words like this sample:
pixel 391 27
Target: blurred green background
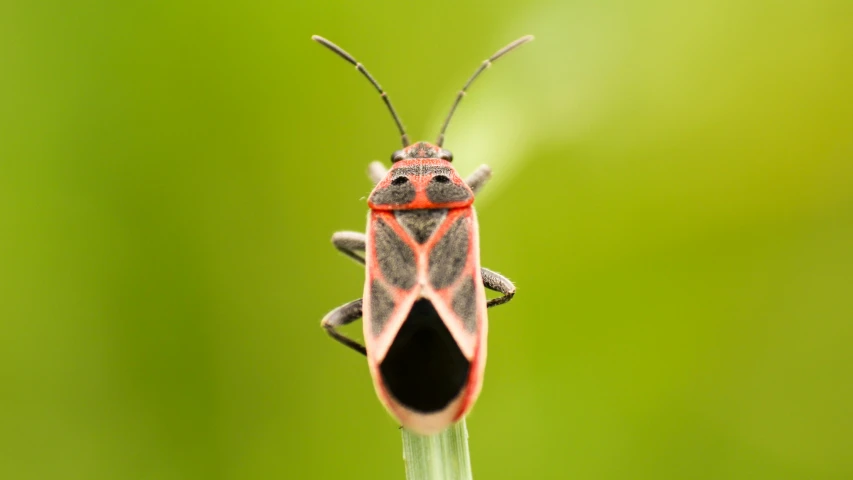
pixel 673 197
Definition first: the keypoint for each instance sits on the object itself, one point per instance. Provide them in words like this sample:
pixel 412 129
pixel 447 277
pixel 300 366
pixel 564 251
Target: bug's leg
pixel 349 243
pixel 499 283
pixel 376 171
pixel 479 177
pixel 341 316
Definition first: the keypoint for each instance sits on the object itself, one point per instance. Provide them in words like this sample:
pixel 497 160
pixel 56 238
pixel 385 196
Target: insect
pixel 424 303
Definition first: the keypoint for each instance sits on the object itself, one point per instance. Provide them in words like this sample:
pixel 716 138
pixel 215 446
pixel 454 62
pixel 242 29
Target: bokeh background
pixel 673 196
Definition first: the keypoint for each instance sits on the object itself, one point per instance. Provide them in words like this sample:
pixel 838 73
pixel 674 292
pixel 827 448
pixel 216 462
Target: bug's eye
pixel 441 179
pixel 446 155
pixel 399 181
pixel 397 156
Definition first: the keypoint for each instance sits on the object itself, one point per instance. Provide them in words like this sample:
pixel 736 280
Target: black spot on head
pixel 424 369
pixel 449 255
pixel 399 193
pixel 396 258
pixel 441 190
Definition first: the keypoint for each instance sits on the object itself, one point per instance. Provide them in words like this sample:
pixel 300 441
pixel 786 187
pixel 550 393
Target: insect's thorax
pixel 427 182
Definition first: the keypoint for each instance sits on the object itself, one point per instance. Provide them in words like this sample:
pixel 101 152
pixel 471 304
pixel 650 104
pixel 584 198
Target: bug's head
pixel 421 150
pixel 421 176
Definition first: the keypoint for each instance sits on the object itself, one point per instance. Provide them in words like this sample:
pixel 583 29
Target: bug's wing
pixel 425 314
pixel 391 285
pixel 456 286
pixel 457 291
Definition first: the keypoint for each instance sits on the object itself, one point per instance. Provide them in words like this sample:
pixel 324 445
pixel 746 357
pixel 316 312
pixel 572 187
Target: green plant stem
pixel 443 456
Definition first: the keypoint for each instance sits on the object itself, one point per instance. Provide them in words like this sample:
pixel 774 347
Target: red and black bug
pixel 424 303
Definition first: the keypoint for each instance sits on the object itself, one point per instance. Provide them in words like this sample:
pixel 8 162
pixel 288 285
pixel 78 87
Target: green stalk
pixel 443 456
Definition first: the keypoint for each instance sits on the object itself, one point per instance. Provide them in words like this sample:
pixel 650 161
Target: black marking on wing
pixel 441 190
pixel 396 259
pixel 421 224
pixel 424 369
pixel 465 304
pixel 381 306
pixel 449 255
pixel 399 192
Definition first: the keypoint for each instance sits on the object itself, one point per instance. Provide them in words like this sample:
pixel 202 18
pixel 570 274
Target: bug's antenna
pixel 486 64
pixel 346 56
